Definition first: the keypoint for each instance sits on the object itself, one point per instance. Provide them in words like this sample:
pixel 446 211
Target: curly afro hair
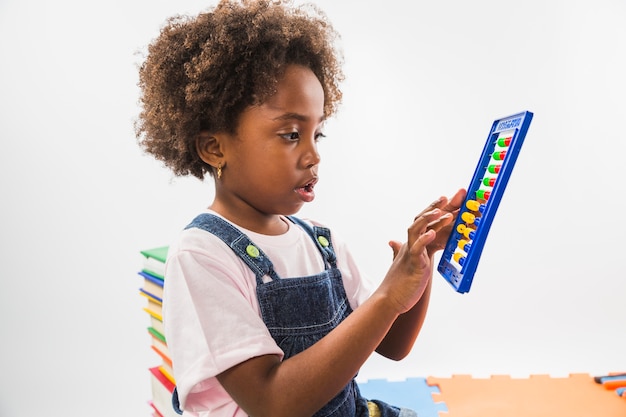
pixel 202 72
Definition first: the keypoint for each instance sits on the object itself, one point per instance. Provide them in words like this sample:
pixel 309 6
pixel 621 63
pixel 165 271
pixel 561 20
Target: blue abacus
pixel 462 252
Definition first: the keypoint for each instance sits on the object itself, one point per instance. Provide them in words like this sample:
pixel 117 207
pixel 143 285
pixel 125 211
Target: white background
pixel 425 80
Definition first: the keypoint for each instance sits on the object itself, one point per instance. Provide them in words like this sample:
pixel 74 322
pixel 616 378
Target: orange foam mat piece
pixel 537 396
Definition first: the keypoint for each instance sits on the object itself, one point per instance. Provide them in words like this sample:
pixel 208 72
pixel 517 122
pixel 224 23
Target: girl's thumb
pixel 395 246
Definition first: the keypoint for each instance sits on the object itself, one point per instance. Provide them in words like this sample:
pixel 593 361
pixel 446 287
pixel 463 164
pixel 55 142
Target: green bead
pixel 252 251
pixel 323 241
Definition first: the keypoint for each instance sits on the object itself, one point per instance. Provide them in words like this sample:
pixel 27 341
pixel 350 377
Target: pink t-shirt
pixel 211 313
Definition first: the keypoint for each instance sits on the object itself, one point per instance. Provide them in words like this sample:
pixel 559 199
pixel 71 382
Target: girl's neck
pixel 265 224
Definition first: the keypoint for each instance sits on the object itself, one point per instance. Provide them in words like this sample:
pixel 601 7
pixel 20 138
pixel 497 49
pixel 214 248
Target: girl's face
pixel 270 165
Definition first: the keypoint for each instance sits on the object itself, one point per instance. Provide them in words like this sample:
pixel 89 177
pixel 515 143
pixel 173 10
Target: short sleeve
pixel 211 314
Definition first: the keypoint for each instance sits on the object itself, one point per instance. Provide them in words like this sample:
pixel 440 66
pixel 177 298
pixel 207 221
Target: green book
pixel 154 262
pixel 154 332
pixel 159 253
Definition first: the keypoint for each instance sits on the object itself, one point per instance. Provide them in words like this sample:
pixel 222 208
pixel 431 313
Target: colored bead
pixel 469 233
pixel 468 217
pixel 473 205
pixel 252 251
pixel 494 169
pixel 483 195
pixel 459 258
pixel 489 182
pixel 464 245
pixel 499 156
pixel 504 142
pixel 323 241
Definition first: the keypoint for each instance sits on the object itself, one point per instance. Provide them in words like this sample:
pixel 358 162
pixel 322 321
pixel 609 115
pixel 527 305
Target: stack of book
pixel 161 375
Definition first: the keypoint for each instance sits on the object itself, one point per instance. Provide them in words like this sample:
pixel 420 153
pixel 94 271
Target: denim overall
pixel 298 312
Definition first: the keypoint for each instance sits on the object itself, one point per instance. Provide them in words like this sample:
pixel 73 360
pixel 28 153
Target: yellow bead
pixel 472 205
pixel 468 217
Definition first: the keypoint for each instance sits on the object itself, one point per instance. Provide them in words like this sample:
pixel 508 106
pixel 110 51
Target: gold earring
pixel 219 171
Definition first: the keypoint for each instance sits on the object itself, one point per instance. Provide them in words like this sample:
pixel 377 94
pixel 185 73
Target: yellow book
pixel 168 373
pixel 153 314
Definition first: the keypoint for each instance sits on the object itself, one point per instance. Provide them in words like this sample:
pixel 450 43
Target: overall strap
pixel 321 237
pixel 251 254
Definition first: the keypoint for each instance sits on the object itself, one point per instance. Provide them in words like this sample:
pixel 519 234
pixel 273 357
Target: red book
pixel 162 389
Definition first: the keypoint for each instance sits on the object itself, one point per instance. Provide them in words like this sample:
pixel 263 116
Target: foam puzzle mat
pixel 413 393
pixel 577 395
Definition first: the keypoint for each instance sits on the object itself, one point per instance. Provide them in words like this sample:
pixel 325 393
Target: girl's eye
pixel 292 136
pixel 295 136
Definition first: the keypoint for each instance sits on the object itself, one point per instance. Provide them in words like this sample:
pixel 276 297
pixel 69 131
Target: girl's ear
pixel 209 149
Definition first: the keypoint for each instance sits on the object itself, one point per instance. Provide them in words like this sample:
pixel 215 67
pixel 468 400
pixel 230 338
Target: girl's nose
pixel 311 156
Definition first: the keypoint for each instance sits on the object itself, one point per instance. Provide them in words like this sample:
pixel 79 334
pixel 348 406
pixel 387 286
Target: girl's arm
pixel 302 384
pixel 400 339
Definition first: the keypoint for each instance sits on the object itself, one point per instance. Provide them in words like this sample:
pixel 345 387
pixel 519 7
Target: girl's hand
pixel 412 267
pixel 443 226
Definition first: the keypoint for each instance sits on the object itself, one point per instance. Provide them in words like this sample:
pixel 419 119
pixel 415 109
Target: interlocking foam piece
pixel 413 393
pixel 537 396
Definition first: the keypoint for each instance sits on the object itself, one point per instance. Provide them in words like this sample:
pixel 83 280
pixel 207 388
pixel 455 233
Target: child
pixel 266 314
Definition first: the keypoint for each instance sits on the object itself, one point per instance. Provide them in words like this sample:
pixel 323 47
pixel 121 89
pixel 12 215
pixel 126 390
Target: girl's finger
pixel 419 245
pixel 437 204
pixel 441 222
pixel 455 202
pixel 420 225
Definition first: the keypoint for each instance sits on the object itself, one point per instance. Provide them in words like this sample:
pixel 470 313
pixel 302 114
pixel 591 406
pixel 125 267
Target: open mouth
pixel 306 192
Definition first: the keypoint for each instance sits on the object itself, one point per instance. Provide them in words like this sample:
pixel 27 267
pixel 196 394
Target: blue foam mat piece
pixel 413 393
